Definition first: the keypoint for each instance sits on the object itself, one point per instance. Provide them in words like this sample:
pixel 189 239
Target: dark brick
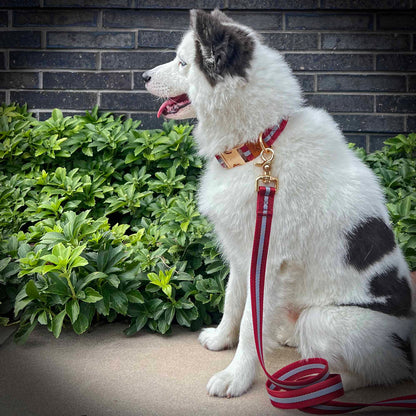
pixel 20 3
pixel 159 39
pixel 359 140
pixel 330 62
pixel 18 39
pixel 361 82
pixel 147 19
pixel 259 20
pixel 3 19
pixel 292 41
pixel 273 5
pixel 412 83
pixel 179 4
pixel 136 101
pixel 397 21
pixel 377 141
pixel 2 61
pixel 411 124
pixel 365 4
pixel 64 60
pixel 370 123
pixel 342 103
pixel 149 120
pixel 55 99
pixel 87 80
pixel 365 42
pixel 134 60
pixel 88 3
pixel 138 80
pixel 307 82
pixel 396 103
pixel 396 62
pixel 2 96
pixel 90 40
pixel 55 18
pixel 328 21
pixel 10 80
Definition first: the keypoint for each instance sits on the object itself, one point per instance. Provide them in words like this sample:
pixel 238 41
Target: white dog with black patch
pixel 337 284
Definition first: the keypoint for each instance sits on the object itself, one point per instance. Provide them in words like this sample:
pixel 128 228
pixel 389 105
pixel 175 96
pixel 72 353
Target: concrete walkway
pixel 106 373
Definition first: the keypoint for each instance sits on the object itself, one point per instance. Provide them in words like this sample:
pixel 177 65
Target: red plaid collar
pixel 248 151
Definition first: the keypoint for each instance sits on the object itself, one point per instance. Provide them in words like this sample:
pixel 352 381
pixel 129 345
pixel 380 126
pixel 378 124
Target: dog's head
pixel 224 75
pixel 215 47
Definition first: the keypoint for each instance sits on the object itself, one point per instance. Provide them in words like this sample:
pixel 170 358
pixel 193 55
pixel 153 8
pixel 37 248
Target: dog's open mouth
pixel 173 107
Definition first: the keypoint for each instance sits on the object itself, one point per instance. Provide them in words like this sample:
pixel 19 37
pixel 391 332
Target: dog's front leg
pixel 225 335
pixel 238 377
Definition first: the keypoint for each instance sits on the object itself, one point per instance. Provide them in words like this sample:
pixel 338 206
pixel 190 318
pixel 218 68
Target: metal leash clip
pixel 267 156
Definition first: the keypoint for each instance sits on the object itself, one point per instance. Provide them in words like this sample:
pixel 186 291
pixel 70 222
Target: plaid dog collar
pixel 248 151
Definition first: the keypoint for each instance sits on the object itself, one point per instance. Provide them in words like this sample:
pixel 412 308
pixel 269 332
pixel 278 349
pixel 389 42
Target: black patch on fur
pixel 369 242
pixel 405 346
pixel 220 49
pixel 395 290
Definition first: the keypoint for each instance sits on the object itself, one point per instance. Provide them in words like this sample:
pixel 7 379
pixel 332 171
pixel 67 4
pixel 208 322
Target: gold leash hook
pixel 267 156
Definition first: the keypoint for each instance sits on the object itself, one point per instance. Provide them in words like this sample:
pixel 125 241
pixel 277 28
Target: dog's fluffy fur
pixel 337 285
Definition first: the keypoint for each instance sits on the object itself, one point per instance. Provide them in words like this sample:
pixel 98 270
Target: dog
pixel 337 284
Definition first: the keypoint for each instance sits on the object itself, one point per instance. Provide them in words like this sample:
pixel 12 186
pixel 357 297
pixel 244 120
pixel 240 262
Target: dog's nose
pixel 146 76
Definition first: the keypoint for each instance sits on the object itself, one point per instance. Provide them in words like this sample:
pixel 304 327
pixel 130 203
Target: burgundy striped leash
pixel 305 385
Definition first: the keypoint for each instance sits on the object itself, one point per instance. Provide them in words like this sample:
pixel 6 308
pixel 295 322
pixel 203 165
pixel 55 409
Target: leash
pixel 306 385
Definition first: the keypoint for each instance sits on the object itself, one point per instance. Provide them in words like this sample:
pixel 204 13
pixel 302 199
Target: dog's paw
pixel 229 383
pixel 216 340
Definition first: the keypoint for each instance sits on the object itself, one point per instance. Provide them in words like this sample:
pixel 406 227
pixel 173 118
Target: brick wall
pixel 355 58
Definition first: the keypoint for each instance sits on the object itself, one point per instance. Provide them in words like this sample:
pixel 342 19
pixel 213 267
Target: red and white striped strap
pixel 306 385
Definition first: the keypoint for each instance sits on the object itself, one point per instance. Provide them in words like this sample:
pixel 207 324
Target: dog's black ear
pixel 221 48
pixel 222 17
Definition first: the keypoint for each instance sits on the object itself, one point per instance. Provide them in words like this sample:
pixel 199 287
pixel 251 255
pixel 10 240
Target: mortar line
pixel 100 19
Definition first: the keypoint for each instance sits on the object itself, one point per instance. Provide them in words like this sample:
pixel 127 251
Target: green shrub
pixel 395 165
pixel 98 220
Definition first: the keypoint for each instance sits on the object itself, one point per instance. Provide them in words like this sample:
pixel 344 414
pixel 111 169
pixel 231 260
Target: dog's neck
pixel 247 152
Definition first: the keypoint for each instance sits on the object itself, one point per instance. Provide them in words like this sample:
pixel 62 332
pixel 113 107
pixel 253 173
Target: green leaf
pixel 84 318
pixel 20 305
pixel 57 115
pixel 92 296
pixel 182 318
pixel 24 331
pixel 59 287
pixel 4 321
pixel 135 297
pixel 32 290
pixel 119 301
pixel 4 262
pixel 136 325
pixel 88 279
pixel 43 318
pixel 72 309
pixel 57 322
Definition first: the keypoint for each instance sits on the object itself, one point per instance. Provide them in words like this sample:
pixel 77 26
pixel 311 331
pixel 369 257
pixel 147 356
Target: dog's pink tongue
pixel 164 105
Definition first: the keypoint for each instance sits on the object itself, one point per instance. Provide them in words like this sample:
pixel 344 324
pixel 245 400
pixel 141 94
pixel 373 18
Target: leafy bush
pixel 98 221
pixel 395 165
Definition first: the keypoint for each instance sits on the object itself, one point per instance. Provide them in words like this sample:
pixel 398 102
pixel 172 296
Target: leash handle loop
pixel 306 385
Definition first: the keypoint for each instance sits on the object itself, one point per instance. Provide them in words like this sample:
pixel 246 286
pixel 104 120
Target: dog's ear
pixel 221 48
pixel 222 17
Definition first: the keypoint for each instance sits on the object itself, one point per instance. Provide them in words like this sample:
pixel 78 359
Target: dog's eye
pixel 182 63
